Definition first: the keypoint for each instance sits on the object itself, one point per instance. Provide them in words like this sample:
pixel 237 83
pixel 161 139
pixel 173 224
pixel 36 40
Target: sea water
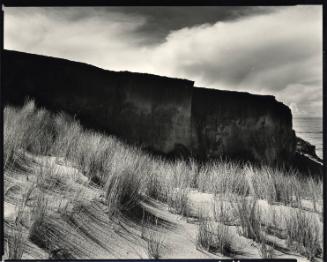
pixel 311 130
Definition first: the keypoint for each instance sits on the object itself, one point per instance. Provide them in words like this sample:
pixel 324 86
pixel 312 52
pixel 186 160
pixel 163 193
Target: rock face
pixel 165 115
pixel 139 108
pixel 306 159
pixel 306 148
pixel 241 125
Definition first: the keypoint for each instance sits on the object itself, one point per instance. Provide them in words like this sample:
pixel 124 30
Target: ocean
pixel 311 130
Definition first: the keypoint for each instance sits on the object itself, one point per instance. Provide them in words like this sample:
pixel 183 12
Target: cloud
pixel 275 50
pixel 165 19
pixel 88 39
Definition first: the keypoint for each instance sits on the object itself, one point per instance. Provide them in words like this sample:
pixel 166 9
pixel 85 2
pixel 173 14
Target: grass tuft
pixel 214 237
pixel 249 217
pixel 155 243
pixel 303 234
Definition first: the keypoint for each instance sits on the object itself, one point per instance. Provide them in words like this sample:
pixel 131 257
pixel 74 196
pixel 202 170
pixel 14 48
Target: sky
pixel 262 50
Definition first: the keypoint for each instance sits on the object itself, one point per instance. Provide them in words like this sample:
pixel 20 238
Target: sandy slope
pixel 77 224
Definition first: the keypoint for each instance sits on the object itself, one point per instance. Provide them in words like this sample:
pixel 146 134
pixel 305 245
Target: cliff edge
pixel 161 114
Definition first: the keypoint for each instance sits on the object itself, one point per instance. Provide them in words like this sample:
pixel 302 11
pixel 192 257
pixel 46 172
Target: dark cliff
pixel 140 108
pixel 242 125
pixel 163 114
pixel 306 159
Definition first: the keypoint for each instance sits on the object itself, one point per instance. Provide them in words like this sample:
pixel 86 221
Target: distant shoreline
pixel 311 130
pixel 314 117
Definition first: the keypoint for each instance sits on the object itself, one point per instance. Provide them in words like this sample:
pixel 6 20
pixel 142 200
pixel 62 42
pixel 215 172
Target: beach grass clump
pixel 68 135
pixel 204 235
pixel 285 185
pixel 88 150
pixel 155 242
pixel 16 242
pixel 223 211
pixel 51 180
pixel 11 138
pixel 184 173
pixel 171 181
pixel 56 234
pixel 249 217
pixel 126 180
pixel 32 127
pixel 303 234
pixel 16 239
pixel 180 173
pixel 59 239
pixel 93 154
pixel 37 131
pixel 223 177
pixel 276 184
pixel 214 237
pixel 177 201
pixel 261 183
pixel 39 135
pixel 312 188
pixel 155 187
pixel 17 129
pixel 159 180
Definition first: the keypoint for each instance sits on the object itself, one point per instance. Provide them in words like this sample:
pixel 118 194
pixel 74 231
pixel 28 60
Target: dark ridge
pixel 82 66
pixel 262 102
pixel 167 116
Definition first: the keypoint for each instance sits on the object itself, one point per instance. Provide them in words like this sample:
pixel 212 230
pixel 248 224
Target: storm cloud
pixel 264 50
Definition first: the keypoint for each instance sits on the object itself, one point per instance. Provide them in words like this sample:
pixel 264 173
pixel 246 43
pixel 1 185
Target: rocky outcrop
pixel 305 148
pixel 241 125
pixel 305 158
pixel 165 115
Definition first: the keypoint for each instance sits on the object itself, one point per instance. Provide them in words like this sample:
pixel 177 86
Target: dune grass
pixel 104 158
pixel 224 177
pixel 17 237
pixel 214 237
pixel 265 250
pixel 249 217
pixel 127 175
pixel 303 234
pixel 155 242
pixel 223 211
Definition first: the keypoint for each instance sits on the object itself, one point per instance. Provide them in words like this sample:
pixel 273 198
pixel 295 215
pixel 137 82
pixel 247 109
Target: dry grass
pixel 214 237
pixel 265 250
pixel 223 177
pixel 284 186
pixel 223 211
pixel 59 239
pixel 126 174
pixel 155 242
pixel 108 162
pixel 303 234
pixel 16 239
pixel 16 242
pixel 123 191
pixel 126 181
pixel 312 189
pixel 15 129
pixel 177 201
pixel 249 217
pixel 27 128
